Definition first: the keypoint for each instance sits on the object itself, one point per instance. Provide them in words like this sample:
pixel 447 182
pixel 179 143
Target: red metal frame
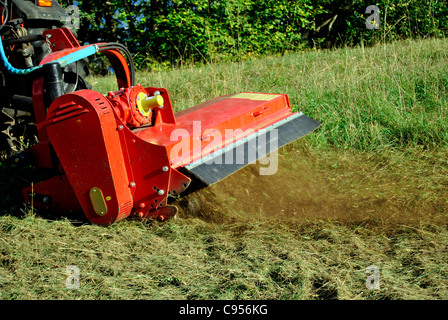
pixel 102 145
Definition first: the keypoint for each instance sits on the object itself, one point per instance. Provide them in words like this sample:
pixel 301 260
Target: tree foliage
pixel 178 31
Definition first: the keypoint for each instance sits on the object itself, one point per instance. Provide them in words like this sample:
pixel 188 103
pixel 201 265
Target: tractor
pixel 118 154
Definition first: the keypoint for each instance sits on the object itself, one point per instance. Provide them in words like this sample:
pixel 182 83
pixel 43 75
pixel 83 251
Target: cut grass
pixel 193 259
pixel 367 188
pixel 316 246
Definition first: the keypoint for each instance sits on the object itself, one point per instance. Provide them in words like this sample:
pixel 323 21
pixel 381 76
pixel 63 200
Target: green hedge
pixel 161 32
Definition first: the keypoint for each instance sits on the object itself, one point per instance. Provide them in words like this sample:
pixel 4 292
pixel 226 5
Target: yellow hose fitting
pixel 145 103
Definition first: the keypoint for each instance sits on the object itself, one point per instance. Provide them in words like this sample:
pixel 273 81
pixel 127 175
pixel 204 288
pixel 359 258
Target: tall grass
pixel 388 96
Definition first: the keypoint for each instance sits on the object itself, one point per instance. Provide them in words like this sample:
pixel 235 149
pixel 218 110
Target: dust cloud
pixel 346 188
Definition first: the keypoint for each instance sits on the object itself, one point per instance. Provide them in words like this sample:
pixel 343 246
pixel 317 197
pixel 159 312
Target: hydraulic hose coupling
pixel 145 103
pixel 53 82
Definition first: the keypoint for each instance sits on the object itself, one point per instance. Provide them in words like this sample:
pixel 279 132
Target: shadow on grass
pixel 13 179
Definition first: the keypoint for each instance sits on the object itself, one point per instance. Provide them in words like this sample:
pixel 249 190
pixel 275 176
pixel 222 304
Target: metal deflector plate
pixel 230 159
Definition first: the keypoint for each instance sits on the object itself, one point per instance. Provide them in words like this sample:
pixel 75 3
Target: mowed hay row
pixel 193 259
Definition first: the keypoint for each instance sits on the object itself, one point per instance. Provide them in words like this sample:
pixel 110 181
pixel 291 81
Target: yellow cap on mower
pixel 145 103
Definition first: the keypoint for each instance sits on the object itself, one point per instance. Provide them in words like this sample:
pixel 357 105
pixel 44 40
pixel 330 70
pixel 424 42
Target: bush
pixel 165 33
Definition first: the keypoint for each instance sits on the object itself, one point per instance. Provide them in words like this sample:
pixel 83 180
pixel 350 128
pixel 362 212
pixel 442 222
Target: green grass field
pixel 369 187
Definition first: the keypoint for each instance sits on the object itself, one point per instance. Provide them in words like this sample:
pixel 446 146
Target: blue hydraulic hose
pixel 66 60
pixel 77 55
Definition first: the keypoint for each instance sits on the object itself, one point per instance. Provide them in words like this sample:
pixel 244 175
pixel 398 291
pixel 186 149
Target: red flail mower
pixel 124 153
